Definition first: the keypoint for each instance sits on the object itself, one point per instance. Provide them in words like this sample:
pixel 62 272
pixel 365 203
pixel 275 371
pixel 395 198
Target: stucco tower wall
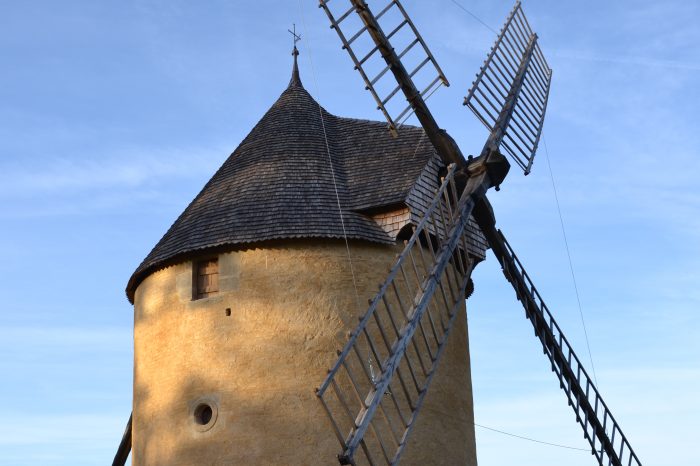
pixel 291 306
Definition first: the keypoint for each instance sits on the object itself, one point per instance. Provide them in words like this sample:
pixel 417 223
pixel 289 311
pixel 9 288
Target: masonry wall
pixel 291 306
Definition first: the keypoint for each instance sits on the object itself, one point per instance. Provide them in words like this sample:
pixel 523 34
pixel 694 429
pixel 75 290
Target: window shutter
pixel 207 277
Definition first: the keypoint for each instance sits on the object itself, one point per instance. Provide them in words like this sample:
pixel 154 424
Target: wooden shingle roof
pixel 281 182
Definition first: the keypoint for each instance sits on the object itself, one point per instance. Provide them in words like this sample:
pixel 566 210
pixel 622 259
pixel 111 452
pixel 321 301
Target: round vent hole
pixel 203 414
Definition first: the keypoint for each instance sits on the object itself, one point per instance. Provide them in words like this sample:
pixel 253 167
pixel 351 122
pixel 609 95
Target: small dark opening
pixel 228 312
pixel 203 414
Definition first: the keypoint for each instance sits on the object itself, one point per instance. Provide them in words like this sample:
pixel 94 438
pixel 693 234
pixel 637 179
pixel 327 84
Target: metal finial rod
pixel 296 38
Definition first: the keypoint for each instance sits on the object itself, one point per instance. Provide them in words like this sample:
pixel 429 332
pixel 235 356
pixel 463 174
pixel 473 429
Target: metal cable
pixel 335 187
pixel 532 439
pixel 330 160
pixel 474 16
pixel 568 255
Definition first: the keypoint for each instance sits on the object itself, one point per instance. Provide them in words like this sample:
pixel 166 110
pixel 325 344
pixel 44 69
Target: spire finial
pixel 295 81
pixel 296 37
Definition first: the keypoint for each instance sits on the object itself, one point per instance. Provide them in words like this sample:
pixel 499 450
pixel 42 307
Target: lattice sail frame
pixel 490 91
pixel 429 85
pixel 608 443
pixel 374 391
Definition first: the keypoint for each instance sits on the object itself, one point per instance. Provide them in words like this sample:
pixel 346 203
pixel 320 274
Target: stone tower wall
pixel 291 305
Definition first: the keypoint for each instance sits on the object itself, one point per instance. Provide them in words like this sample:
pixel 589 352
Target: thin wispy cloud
pixel 68 186
pixel 618 59
pixel 129 169
pixel 79 439
pixel 61 336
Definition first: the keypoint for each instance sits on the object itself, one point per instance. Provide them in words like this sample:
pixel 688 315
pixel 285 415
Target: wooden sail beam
pixel 608 443
pixel 444 144
pixel 124 446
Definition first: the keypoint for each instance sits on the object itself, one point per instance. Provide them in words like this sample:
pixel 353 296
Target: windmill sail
pixel 608 444
pixel 509 96
pixel 402 31
pixel 490 93
pixel 375 52
pixel 375 390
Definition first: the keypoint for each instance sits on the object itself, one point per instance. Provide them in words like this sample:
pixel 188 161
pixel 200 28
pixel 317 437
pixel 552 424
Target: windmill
pixel 509 96
pixel 235 308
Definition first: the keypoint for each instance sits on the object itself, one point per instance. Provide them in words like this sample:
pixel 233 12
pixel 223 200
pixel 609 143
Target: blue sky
pixel 114 115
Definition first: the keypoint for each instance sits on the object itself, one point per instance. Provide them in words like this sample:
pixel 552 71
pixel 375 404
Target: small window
pixel 206 278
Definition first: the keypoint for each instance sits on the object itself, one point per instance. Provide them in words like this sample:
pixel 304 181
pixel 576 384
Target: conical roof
pixel 287 179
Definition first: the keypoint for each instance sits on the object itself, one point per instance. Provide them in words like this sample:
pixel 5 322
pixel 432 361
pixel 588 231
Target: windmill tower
pixel 240 307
